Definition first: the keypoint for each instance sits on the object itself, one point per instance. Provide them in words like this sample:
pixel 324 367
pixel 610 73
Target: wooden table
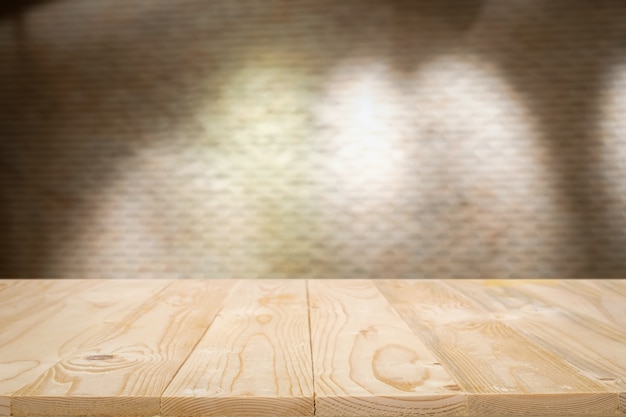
pixel 316 347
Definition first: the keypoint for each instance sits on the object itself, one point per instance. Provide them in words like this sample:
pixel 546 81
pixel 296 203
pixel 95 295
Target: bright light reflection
pixel 362 112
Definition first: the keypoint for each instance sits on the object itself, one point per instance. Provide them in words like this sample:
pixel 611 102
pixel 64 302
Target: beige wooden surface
pixel 368 361
pixel 255 360
pixel 313 347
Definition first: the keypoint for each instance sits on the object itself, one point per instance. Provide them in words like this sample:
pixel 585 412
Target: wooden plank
pixel 603 299
pixel 254 360
pixel 598 299
pixel 6 283
pixel 611 286
pixel 5 406
pixel 503 372
pixel 39 317
pixel 367 361
pixel 122 366
pixel 594 345
pixel 507 348
pixel 610 298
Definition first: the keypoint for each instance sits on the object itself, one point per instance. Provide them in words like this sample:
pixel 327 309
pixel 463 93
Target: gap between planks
pixel 308 306
pixel 491 350
pixel 261 333
pixel 124 361
pixel 401 324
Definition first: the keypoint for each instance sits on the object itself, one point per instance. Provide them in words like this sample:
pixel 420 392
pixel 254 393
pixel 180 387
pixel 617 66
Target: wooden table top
pixel 313 347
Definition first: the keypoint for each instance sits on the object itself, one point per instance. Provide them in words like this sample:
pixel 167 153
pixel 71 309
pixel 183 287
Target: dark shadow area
pixel 424 29
pixel 558 55
pixel 12 8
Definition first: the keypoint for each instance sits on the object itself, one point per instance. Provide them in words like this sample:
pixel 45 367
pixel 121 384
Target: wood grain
pixel 554 317
pixel 125 364
pixel 39 319
pixel 254 360
pixel 604 300
pixel 330 348
pixel 5 406
pixel 502 371
pixel 598 299
pixel 593 345
pixel 367 361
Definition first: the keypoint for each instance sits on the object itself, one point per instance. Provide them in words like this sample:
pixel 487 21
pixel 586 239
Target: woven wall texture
pixel 313 138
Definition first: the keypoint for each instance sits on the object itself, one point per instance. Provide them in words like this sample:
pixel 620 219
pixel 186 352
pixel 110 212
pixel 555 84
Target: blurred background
pixel 312 139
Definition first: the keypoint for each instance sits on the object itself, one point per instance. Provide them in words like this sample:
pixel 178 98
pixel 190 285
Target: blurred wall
pixel 313 138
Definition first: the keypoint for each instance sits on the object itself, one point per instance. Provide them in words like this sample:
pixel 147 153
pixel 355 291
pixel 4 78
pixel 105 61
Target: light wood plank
pixel 611 299
pixel 38 318
pixel 254 360
pixel 604 300
pixel 506 348
pixel 611 286
pixel 598 299
pixel 6 283
pixel 503 372
pixel 367 361
pixel 586 327
pixel 5 406
pixel 549 314
pixel 122 366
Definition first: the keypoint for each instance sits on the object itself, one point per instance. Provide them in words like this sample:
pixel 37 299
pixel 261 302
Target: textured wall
pixel 313 138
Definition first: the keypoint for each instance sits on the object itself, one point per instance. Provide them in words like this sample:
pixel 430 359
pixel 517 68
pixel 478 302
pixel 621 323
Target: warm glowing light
pixel 290 175
pixel 362 113
pixel 229 202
